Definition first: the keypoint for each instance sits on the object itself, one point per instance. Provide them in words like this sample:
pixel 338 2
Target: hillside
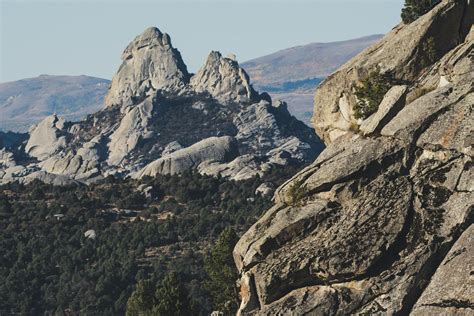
pixel 28 101
pixel 292 74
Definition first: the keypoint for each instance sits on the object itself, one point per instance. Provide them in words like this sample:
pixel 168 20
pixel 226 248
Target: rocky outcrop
pixel 368 225
pixel 212 149
pixel 132 128
pixel 158 119
pixel 450 291
pixel 224 80
pixel 401 54
pixel 148 63
pixel 46 138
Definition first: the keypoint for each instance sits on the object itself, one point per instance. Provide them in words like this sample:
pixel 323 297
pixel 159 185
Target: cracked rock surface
pixel 381 222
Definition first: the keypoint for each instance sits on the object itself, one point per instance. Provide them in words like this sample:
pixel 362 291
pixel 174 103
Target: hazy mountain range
pixel 27 101
pixel 290 74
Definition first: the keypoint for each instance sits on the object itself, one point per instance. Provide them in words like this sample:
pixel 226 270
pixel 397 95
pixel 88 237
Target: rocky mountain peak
pixel 149 63
pixel 224 80
pixel 159 120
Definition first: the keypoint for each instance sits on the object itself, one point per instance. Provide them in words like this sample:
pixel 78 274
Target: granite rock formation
pixel 158 118
pixel 378 222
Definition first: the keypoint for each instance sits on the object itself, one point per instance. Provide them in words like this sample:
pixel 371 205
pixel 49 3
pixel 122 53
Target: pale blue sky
pixel 68 37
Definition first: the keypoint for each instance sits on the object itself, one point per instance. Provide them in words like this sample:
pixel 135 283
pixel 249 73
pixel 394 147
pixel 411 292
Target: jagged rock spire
pixel 224 80
pixel 149 63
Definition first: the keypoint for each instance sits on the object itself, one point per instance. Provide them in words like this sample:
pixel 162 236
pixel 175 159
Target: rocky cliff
pixel 159 119
pixel 381 222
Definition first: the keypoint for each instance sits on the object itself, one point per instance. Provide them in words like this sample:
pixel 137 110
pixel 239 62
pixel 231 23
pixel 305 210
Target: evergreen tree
pixel 413 9
pixel 222 273
pixel 142 300
pixel 172 297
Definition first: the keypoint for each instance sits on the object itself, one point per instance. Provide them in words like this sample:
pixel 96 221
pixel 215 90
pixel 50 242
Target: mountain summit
pixel 148 63
pixel 159 119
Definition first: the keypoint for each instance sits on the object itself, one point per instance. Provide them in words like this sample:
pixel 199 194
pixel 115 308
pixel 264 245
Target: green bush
pixel 297 192
pixel 413 9
pixel 370 93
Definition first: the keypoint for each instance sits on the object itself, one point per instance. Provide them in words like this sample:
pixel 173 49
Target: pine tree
pixel 222 273
pixel 413 9
pixel 142 300
pixel 172 297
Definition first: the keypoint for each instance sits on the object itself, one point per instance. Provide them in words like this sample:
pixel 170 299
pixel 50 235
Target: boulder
pixel 219 149
pixel 391 103
pixel 132 128
pixel 241 168
pixel 47 138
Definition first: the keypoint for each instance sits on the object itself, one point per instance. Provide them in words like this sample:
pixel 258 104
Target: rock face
pixel 399 54
pixel 216 149
pixel 149 62
pixel 450 291
pixel 369 226
pixel 46 138
pixel 159 119
pixel 224 80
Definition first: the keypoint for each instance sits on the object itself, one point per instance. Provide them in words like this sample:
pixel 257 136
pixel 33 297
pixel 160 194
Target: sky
pixel 70 37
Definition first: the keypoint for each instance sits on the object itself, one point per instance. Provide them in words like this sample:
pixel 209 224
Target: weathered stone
pixel 390 105
pixel 171 148
pixel 211 149
pixel 132 128
pixel 241 168
pixel 450 291
pixel 149 63
pixel 363 229
pixel 224 80
pixel 46 138
pixel 398 53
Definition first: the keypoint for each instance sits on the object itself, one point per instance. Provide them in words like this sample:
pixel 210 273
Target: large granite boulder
pixel 211 149
pixel 47 138
pixel 369 226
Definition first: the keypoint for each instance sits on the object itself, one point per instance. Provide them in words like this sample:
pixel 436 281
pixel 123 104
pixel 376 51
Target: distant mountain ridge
pixel 27 101
pixel 299 63
pixel 292 74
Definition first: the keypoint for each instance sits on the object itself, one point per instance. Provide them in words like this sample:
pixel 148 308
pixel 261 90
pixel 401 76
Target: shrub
pixel 297 192
pixel 370 93
pixel 413 9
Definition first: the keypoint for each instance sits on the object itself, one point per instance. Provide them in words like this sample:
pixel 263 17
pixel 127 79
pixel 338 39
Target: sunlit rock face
pixel 159 119
pixel 383 217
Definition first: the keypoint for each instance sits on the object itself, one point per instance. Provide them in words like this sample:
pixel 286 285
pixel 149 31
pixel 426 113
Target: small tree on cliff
pixel 413 9
pixel 222 273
